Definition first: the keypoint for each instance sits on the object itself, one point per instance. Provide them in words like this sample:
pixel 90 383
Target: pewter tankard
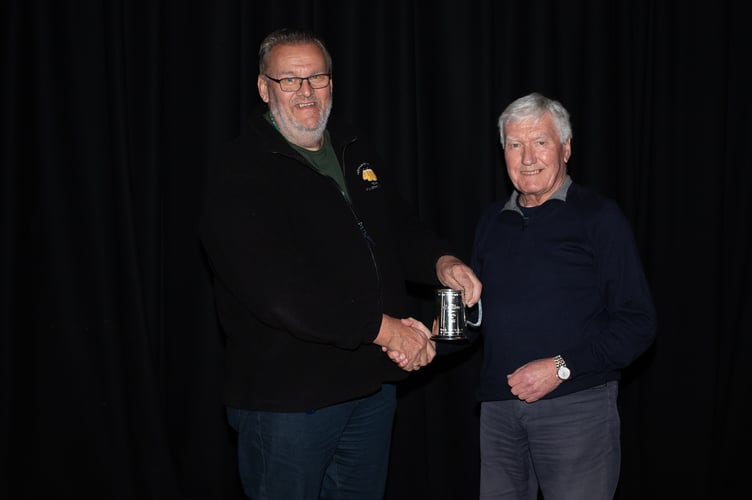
pixel 451 315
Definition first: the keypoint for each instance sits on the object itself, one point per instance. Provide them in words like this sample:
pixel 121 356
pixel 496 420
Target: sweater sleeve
pixel 631 324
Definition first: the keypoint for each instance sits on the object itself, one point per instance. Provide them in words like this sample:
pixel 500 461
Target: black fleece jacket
pixel 302 276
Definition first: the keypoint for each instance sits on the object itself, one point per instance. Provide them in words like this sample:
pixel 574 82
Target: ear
pixel 263 88
pixel 567 146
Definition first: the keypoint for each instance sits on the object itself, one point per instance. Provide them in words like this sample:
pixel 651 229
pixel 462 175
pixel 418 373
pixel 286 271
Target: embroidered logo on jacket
pixel 369 176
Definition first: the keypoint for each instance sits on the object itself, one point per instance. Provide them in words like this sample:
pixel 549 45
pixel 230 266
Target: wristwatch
pixel 561 368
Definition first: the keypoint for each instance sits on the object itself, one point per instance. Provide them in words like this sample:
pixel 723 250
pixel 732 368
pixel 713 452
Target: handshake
pixel 411 345
pixel 407 342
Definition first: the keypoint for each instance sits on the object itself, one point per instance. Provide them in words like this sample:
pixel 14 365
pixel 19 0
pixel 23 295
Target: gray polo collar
pixel 560 194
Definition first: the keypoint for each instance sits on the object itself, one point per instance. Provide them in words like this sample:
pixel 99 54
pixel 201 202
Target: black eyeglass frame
pixel 300 81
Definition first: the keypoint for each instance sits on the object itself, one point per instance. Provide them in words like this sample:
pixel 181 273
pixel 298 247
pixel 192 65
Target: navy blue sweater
pixel 561 278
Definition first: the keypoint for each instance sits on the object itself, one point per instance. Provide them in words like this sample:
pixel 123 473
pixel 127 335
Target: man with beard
pixel 310 249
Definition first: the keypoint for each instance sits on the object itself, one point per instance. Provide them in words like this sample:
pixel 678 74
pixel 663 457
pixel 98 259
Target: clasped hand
pixel 407 342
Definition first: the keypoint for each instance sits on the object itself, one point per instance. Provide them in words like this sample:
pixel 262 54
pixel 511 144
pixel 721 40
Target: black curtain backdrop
pixel 110 354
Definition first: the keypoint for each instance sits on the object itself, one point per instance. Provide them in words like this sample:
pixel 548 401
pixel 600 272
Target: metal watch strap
pixel 562 370
pixel 559 361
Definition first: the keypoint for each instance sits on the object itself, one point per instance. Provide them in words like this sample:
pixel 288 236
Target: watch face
pixel 563 373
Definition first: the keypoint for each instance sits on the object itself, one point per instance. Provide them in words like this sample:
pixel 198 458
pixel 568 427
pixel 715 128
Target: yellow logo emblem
pixel 369 175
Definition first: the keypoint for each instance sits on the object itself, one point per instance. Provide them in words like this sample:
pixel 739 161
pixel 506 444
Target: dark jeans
pixel 340 452
pixel 569 445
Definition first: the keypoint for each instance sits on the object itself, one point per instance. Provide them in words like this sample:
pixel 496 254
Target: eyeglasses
pixel 293 83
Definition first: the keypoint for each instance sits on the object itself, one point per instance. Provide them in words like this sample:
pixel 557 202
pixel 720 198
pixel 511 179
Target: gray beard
pixel 301 134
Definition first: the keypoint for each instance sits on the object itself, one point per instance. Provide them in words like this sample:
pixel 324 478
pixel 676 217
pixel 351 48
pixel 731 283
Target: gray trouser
pixel 569 446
